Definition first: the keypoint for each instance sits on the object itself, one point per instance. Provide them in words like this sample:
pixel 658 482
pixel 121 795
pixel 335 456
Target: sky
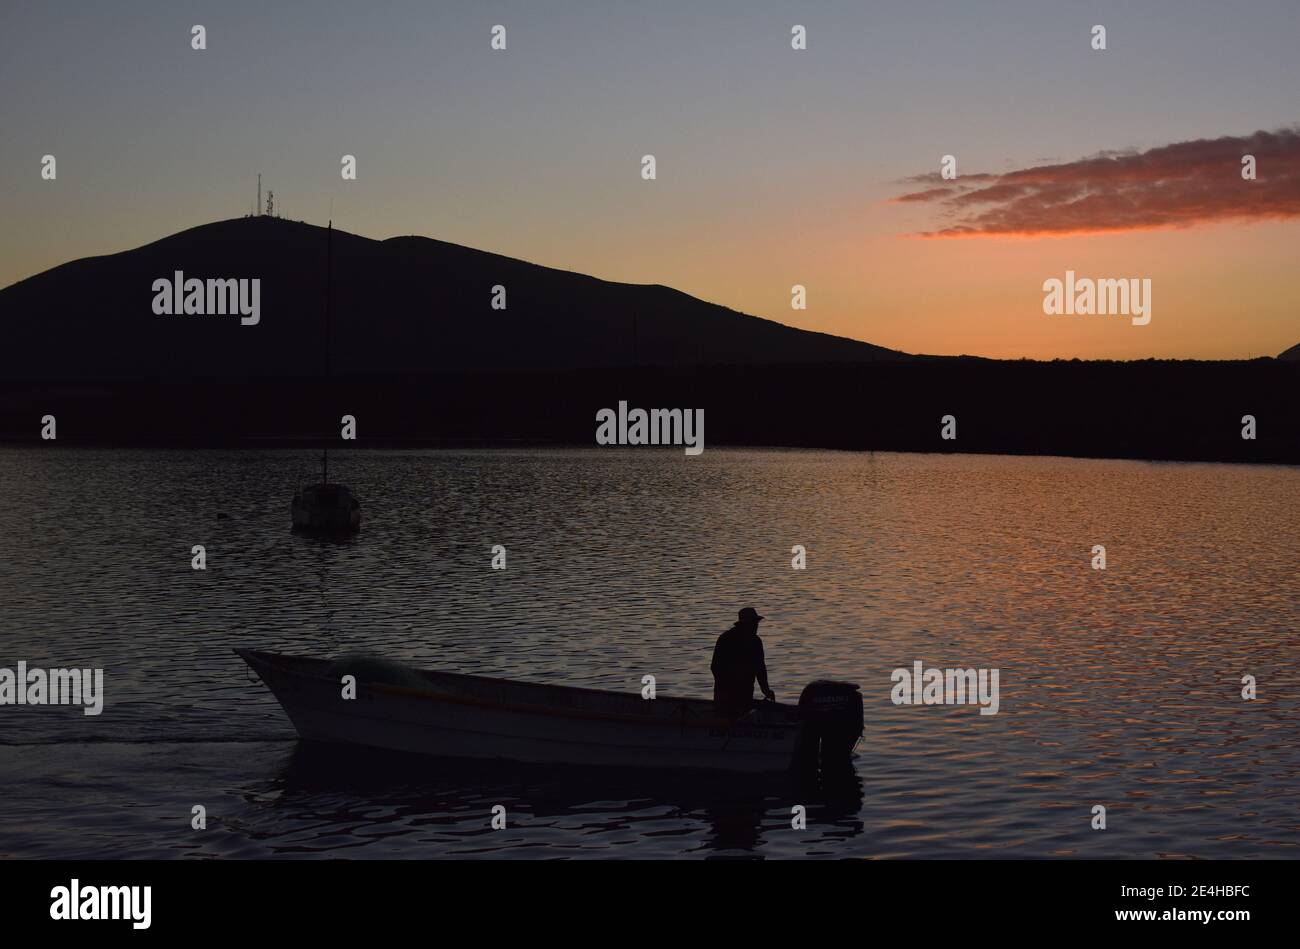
pixel 775 166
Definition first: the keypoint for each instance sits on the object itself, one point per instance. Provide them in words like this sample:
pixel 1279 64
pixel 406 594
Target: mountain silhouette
pixel 1290 355
pixel 402 305
pixel 420 357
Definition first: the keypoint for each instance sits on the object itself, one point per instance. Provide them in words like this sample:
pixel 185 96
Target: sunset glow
pixel 773 170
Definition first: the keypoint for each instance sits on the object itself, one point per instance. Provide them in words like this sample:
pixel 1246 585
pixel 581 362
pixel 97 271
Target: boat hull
pixel 471 717
pixel 326 509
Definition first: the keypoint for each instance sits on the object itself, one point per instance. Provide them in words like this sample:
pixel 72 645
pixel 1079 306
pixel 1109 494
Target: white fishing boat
pixel 464 716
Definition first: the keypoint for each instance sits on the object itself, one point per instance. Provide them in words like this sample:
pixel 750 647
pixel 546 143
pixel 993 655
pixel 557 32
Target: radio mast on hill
pixel 257 208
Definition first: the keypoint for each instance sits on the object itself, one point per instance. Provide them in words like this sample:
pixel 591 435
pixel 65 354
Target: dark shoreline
pixel 313 446
pixel 1148 410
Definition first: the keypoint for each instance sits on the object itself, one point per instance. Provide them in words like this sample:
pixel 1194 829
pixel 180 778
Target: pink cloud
pixel 1173 186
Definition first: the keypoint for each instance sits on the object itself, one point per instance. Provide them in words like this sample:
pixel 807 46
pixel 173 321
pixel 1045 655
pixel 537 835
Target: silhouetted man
pixel 737 662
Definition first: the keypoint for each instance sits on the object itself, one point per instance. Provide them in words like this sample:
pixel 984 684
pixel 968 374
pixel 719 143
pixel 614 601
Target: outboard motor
pixel 832 718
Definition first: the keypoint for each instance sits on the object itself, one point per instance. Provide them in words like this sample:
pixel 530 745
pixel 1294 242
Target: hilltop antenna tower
pixel 259 194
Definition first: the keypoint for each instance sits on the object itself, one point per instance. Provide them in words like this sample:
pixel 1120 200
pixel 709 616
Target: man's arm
pixel 761 670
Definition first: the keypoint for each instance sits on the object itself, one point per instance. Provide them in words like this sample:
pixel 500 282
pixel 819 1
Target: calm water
pixel 1118 688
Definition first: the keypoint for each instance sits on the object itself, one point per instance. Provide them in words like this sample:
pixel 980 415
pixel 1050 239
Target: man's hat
pixel 749 615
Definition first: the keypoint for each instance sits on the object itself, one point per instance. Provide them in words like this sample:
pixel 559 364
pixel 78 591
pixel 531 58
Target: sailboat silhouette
pixel 326 508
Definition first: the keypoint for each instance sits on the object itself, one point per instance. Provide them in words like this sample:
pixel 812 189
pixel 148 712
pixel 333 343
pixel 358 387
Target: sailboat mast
pixel 329 292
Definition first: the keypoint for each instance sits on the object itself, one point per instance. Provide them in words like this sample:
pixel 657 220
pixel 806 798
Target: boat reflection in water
pixel 329 797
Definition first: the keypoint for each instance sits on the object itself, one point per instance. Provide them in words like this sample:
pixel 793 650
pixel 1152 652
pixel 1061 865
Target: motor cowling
pixel 833 720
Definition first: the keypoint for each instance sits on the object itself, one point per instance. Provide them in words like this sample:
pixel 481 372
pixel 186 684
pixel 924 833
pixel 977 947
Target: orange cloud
pixel 1179 185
